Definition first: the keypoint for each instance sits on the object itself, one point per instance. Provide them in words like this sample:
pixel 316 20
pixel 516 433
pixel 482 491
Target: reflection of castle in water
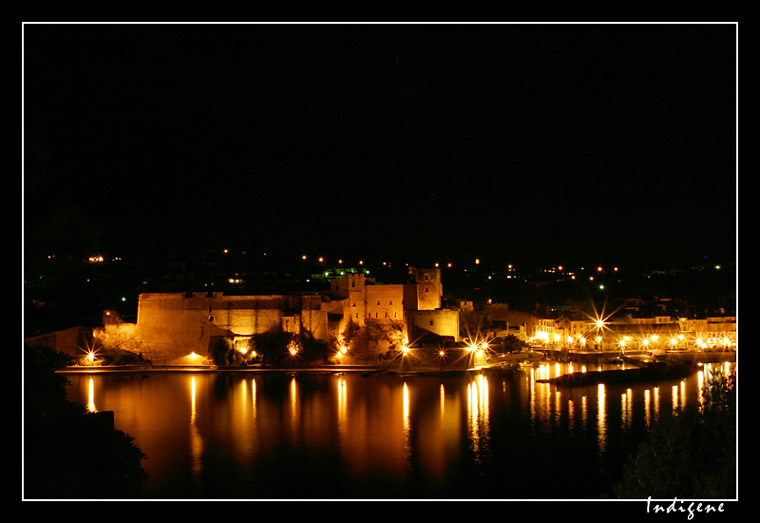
pixel 172 325
pixel 384 423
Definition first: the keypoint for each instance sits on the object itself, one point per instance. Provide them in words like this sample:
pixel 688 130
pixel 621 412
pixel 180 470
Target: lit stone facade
pixel 438 322
pixel 172 325
pixel 429 289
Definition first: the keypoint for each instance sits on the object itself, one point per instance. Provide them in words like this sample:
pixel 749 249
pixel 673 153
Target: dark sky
pixel 378 138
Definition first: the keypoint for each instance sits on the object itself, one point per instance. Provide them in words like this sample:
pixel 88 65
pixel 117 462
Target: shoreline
pixel 644 368
pixel 363 369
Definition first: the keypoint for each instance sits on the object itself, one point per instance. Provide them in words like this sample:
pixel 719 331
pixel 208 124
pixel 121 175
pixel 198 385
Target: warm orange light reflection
pixel 647 408
pixel 342 400
pixel 196 441
pixel 626 407
pixel 443 401
pixel 91 396
pixel 374 431
pixel 478 411
pixel 601 417
pixel 406 420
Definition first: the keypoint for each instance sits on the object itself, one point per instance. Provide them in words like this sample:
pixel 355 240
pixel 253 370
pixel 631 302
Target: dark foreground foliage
pixel 68 452
pixel 690 454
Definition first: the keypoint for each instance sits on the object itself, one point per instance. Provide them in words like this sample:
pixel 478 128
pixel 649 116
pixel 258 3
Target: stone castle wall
pixel 173 326
pixel 442 322
pixel 385 302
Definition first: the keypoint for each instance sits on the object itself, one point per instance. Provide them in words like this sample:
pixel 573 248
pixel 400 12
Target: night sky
pixel 381 139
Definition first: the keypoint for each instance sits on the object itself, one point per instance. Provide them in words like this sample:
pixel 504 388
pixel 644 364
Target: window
pixel 378 302
pixel 431 322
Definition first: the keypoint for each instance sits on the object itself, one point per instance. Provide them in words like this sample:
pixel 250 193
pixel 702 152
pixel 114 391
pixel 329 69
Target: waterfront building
pixel 628 333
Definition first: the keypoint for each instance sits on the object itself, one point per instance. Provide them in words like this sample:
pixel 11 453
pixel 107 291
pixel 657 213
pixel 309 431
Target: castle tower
pixel 353 287
pixel 429 288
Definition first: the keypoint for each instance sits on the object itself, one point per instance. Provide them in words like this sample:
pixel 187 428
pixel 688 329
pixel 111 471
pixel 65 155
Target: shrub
pixel 690 454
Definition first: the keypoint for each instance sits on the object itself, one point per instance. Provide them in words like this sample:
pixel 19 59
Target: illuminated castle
pixel 170 326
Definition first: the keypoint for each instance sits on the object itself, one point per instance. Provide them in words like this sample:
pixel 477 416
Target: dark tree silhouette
pixel 690 454
pixel 68 452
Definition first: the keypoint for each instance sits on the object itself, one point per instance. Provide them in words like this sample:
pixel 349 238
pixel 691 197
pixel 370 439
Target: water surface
pixel 279 435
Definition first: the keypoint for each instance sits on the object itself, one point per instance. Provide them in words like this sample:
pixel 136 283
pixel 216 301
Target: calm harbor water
pixel 478 435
